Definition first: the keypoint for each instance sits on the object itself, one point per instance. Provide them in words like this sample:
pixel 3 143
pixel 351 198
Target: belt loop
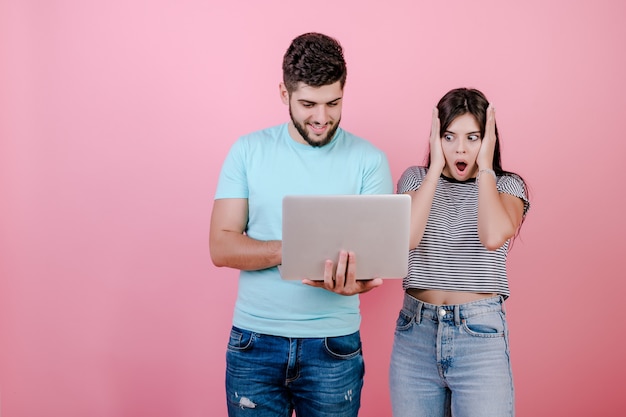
pixel 502 305
pixel 457 315
pixel 418 313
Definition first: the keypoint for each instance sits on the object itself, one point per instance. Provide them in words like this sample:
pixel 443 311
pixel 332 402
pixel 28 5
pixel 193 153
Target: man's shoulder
pixel 268 132
pixel 259 140
pixel 353 141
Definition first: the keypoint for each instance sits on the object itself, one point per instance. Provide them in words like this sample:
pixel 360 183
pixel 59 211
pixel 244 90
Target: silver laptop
pixel 374 227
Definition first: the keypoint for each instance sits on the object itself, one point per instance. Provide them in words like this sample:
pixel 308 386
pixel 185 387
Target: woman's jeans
pixel 451 360
pixel 272 376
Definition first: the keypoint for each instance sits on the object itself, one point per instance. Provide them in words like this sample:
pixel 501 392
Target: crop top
pixel 450 255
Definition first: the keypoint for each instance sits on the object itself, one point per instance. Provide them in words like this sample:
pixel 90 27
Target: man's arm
pixel 228 244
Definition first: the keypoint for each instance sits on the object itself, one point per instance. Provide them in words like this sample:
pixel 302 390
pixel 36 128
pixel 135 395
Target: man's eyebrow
pixel 303 100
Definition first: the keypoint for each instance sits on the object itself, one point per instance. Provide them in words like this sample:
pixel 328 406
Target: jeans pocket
pixel 343 347
pixel 240 340
pixel 404 321
pixel 485 325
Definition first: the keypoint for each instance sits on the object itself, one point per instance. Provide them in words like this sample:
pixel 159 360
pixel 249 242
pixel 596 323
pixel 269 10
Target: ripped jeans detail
pixel 273 376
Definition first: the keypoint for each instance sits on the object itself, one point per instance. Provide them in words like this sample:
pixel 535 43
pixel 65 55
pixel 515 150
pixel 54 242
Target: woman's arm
pixel 499 214
pixel 422 198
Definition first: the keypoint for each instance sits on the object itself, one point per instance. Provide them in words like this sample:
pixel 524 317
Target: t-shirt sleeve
pixel 233 180
pixel 377 179
pixel 411 179
pixel 514 185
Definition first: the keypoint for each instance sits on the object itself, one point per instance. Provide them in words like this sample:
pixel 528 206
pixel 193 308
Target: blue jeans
pixel 451 360
pixel 273 376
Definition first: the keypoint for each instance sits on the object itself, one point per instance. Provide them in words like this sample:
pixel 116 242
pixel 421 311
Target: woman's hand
pixel 488 144
pixel 437 159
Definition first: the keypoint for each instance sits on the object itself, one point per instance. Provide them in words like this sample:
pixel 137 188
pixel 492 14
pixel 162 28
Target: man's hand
pixel 342 280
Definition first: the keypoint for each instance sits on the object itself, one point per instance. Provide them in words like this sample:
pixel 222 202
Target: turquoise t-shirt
pixel 265 166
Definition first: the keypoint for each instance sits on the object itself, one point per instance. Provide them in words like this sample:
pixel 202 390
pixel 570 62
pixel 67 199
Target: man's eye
pixel 307 105
pixel 332 104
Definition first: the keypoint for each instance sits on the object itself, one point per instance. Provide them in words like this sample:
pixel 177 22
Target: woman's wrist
pixel 485 171
pixel 485 165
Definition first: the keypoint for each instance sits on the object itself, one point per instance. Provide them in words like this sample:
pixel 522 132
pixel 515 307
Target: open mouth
pixel 461 166
pixel 318 129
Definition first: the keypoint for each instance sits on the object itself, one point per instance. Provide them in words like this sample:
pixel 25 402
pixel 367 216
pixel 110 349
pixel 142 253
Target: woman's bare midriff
pixel 438 297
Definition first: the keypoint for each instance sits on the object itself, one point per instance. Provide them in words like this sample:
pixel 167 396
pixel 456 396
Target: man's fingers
pixel 343 279
pixel 351 269
pixel 329 274
pixel 370 284
pixel 342 267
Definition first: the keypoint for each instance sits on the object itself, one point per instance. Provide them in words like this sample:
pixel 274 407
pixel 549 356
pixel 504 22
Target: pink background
pixel 115 117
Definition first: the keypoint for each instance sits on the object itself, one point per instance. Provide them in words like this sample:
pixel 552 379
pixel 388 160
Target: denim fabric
pixel 451 360
pixel 273 376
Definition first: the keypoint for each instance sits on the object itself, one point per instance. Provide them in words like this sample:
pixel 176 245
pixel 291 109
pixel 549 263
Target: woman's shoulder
pixel 417 171
pixel 509 180
pixel 511 183
pixel 411 178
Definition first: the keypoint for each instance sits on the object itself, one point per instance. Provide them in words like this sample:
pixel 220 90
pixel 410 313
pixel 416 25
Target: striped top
pixel 450 255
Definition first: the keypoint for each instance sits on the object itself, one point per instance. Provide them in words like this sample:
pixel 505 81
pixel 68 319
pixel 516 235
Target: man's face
pixel 315 112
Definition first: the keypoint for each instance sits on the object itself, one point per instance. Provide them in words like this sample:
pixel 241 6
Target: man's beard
pixel 317 144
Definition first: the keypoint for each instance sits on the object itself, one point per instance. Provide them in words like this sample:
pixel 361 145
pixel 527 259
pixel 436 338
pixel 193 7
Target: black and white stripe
pixel 450 255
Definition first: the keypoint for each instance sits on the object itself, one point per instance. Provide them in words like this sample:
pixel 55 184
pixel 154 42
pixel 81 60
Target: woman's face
pixel 460 143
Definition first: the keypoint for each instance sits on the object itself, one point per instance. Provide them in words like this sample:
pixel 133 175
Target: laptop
pixel 317 227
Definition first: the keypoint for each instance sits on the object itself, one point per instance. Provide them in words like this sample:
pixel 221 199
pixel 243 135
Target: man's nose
pixel 321 115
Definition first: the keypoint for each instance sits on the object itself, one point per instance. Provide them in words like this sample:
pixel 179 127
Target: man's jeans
pixel 451 360
pixel 272 376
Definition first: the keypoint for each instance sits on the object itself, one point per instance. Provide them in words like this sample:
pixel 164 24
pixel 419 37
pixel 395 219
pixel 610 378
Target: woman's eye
pixel 448 137
pixel 473 137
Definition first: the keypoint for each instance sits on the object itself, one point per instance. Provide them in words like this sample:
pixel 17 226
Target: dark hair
pixel 314 59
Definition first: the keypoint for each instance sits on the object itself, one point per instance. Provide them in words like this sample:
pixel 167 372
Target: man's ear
pixel 284 94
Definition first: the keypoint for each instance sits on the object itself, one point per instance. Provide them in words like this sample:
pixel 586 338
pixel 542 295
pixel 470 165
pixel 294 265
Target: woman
pixel 451 348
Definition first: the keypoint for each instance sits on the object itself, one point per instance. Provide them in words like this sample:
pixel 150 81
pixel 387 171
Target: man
pixel 294 346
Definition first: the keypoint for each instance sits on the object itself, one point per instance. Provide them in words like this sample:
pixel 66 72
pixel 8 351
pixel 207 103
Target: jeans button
pixel 442 311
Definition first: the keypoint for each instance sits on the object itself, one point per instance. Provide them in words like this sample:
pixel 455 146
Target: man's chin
pixel 317 143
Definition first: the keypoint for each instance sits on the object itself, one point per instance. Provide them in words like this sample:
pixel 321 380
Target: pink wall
pixel 114 120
